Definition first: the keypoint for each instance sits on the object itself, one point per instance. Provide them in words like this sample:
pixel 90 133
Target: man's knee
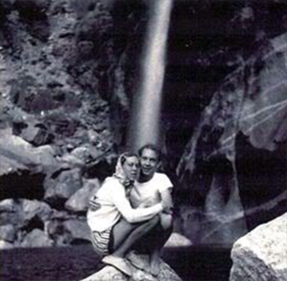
pixel 166 221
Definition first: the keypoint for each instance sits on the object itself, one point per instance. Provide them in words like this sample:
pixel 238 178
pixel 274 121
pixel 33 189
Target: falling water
pixel 147 103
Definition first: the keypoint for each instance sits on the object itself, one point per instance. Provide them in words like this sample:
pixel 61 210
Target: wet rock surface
pixel 262 253
pixel 111 273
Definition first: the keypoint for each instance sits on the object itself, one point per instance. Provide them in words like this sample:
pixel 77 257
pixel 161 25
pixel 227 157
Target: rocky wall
pixel 234 167
pixel 58 72
pixel 68 73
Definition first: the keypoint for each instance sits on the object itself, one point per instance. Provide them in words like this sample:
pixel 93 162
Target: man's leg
pixel 162 233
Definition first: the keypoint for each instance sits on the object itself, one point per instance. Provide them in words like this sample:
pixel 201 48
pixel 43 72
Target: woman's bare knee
pixel 121 231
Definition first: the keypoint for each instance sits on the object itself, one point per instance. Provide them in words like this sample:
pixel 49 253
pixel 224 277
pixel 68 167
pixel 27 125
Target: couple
pixel 132 205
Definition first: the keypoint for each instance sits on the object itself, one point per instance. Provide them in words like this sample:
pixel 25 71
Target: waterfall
pixel 145 125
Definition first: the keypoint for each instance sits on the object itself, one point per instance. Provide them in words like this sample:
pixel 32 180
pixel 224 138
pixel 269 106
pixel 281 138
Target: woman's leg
pixel 122 238
pixel 124 235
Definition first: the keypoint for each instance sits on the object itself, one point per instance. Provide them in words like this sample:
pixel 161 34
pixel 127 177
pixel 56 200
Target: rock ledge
pixel 108 273
pixel 262 253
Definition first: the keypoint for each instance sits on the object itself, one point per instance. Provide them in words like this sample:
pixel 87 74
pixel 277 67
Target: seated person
pixel 150 189
pixel 115 225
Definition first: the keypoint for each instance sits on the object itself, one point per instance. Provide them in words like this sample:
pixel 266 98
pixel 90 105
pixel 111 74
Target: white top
pixel 148 193
pixel 110 203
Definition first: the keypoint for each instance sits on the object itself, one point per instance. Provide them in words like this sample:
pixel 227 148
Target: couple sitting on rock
pixel 132 205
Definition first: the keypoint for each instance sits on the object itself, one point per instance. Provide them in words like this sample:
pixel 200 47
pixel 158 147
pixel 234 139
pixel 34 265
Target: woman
pixel 115 225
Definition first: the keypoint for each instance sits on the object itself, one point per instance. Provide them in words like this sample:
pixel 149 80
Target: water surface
pixel 77 262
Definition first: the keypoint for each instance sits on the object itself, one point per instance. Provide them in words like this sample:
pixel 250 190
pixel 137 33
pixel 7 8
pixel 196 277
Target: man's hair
pixel 151 147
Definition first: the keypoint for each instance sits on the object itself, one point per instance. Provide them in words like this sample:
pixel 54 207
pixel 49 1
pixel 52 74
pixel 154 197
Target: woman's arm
pixel 135 215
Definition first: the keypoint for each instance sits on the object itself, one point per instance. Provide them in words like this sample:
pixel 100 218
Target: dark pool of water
pixel 78 262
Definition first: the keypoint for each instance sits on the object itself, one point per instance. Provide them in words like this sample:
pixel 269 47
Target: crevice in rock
pixel 35 222
pixel 261 177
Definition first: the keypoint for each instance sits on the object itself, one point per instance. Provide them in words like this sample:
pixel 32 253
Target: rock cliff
pixel 69 70
pixel 234 161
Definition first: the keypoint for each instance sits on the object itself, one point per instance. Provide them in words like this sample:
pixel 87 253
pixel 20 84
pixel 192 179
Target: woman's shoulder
pixel 112 182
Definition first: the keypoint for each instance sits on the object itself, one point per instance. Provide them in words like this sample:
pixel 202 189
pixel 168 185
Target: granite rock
pixel 7 233
pixel 262 253
pixel 108 273
pixel 5 245
pixel 36 238
pixel 78 202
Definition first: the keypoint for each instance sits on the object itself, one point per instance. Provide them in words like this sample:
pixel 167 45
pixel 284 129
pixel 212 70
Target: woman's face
pixel 131 167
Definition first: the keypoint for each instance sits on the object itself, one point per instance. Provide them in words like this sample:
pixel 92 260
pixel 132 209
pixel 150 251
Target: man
pixel 151 188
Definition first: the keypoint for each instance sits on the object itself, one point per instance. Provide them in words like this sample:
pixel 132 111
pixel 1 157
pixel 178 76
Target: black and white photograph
pixel 143 140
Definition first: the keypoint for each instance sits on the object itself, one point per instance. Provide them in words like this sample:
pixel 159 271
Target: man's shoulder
pixel 163 180
pixel 158 175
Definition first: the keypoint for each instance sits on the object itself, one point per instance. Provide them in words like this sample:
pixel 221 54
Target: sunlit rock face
pixel 233 166
pixel 166 273
pixel 262 253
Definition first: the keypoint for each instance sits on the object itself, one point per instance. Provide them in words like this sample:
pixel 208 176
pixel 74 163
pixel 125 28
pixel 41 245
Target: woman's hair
pixel 119 171
pixel 125 155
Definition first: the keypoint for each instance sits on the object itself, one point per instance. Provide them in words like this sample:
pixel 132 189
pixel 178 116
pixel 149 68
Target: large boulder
pixel 56 229
pixel 78 202
pixel 60 188
pixel 77 158
pixel 78 230
pixel 23 213
pixel 32 208
pixel 32 131
pixel 36 238
pixel 262 253
pixel 108 273
pixel 177 240
pixel 5 245
pixel 10 212
pixel 7 233
pixel 16 152
pixel 23 167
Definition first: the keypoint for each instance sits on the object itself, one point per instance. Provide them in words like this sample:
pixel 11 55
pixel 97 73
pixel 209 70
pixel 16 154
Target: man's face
pixel 148 162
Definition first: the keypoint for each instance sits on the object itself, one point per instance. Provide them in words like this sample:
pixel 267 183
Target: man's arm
pixel 166 198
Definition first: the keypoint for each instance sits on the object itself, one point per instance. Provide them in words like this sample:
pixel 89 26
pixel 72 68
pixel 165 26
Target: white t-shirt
pixel 148 193
pixel 110 203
